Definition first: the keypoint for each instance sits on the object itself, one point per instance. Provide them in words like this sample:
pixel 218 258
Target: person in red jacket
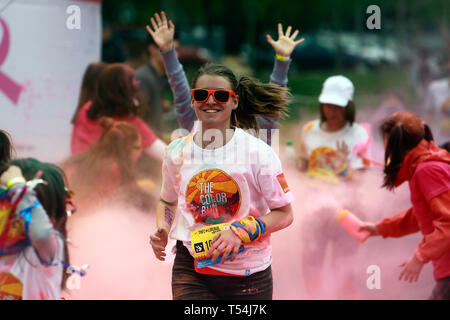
pixel 412 156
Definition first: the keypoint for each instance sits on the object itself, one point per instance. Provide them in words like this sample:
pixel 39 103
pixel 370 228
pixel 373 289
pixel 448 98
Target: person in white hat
pixel 330 150
pixel 335 133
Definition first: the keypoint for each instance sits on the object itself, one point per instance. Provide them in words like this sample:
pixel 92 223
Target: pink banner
pixel 7 85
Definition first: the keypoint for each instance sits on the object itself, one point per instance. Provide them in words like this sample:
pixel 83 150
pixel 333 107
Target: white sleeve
pixel 271 180
pixel 156 150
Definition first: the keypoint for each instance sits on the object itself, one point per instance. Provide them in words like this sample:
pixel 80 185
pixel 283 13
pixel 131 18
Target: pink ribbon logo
pixel 7 85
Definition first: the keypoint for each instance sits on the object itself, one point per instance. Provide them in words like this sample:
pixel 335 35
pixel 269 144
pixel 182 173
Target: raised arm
pixel 283 47
pixel 163 35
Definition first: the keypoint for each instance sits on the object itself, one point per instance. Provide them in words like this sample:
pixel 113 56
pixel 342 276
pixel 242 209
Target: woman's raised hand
pixel 163 31
pixel 286 42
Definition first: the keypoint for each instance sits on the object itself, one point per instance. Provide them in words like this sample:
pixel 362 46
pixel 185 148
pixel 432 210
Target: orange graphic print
pixel 213 197
pixel 321 158
pixel 5 211
pixel 10 287
pixel 283 183
pixel 320 164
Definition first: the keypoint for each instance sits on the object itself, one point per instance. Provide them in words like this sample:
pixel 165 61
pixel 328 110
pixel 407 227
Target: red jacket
pixel 427 169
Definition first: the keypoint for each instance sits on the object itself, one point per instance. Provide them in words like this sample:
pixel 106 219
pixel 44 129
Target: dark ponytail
pixel 404 131
pixel 6 150
pixel 393 156
pixel 255 98
pixel 428 134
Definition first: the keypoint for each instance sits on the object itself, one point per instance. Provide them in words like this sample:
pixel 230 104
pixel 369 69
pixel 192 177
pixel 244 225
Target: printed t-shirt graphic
pixel 319 147
pixel 10 287
pixel 320 163
pixel 211 187
pixel 213 197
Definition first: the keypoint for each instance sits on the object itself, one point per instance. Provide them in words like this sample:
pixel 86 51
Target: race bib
pixel 201 241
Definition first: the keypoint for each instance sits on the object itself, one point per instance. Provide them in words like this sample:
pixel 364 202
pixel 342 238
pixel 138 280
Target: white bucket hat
pixel 337 90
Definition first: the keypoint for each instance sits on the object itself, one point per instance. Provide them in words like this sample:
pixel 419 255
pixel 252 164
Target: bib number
pixel 201 241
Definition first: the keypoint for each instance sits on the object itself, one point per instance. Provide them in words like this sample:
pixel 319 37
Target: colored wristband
pixel 15 180
pixel 249 229
pixel 281 58
pixel 343 171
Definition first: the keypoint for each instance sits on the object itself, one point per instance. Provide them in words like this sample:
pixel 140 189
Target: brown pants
pixel 441 290
pixel 190 285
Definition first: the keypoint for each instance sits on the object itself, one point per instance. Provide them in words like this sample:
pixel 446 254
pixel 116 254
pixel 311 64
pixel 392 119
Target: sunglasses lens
pixel 200 95
pixel 221 95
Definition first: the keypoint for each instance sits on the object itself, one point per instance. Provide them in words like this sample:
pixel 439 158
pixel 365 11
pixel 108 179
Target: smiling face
pixel 210 112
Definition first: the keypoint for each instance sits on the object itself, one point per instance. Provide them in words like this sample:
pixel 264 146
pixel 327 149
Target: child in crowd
pixel 332 151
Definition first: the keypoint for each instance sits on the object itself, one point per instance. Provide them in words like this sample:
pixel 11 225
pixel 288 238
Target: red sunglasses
pixel 219 95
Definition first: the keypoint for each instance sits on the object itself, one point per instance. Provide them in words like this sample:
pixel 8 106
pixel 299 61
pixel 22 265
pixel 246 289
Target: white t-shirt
pixel 319 147
pixel 438 92
pixel 242 178
pixel 437 106
pixel 23 276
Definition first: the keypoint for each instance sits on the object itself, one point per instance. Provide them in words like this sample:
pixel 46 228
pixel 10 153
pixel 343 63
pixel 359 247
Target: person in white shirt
pixel 331 151
pixel 222 174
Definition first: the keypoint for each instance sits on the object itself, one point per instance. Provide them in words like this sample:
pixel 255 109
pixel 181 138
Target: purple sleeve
pixel 180 89
pixel 279 73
